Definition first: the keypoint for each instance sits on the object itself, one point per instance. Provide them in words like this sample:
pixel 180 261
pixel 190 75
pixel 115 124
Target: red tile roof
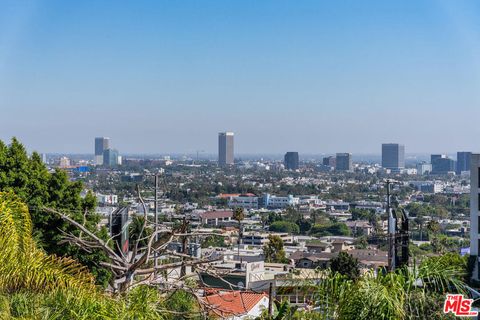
pixel 233 302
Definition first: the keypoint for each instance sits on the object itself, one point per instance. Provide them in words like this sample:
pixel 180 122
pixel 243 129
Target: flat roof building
pixel 393 156
pixel 101 144
pixel 343 162
pixel 225 148
pixel 291 161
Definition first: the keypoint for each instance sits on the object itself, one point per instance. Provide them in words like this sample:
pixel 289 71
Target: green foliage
pixel 30 180
pixel 181 305
pixel 346 265
pixel 283 311
pixel 333 229
pixel 34 285
pixel 272 217
pixel 273 251
pixel 363 214
pixel 22 264
pixel 304 225
pixel 284 226
pixel 137 227
pixel 395 295
pixel 238 214
pixel 213 241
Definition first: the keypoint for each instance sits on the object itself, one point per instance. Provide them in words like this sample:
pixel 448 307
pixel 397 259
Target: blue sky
pixel 310 76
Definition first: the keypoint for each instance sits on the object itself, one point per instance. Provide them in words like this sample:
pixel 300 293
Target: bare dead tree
pixel 136 267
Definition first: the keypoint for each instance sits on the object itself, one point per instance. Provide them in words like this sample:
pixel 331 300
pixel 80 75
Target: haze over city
pixel 310 76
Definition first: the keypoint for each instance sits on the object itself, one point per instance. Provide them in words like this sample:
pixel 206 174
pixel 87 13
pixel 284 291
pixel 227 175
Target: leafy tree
pixel 440 212
pixel 363 214
pixel 433 227
pixel 283 311
pixel 214 241
pixel 393 295
pixel 273 250
pixel 28 178
pixel 333 229
pixel 272 217
pixel 346 265
pixel 23 265
pixel 137 227
pixel 284 226
pixel 420 221
pixel 239 215
pixel 304 225
pixel 361 242
pixel 182 305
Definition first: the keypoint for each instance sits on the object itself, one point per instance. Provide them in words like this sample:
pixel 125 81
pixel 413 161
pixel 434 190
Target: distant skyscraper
pixel 44 158
pixel 441 164
pixel 110 157
pixel 463 161
pixel 291 160
pixel 225 148
pixel 343 162
pixel 393 156
pixel 329 161
pixel 101 144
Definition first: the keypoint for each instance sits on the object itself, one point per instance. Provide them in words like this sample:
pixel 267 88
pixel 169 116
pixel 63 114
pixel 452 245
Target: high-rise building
pixel 475 212
pixel 329 161
pixel 64 162
pixel 463 161
pixel 44 158
pixel 393 156
pixel 110 157
pixel 291 160
pixel 343 162
pixel 101 144
pixel 441 164
pixel 225 148
pixel 424 168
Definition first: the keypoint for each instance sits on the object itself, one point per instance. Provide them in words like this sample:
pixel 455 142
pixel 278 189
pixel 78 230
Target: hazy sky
pixel 309 76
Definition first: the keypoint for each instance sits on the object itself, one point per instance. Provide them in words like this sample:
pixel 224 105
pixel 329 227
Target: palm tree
pixel 22 264
pixel 407 293
pixel 34 285
pixel 239 215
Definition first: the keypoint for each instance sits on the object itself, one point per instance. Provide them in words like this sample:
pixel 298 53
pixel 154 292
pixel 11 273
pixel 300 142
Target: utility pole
pixel 390 232
pixel 155 218
pixel 270 299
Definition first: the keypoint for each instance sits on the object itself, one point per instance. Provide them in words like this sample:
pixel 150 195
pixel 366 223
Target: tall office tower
pixel 291 160
pixel 329 161
pixel 44 158
pixel 393 156
pixel 441 164
pixel 225 148
pixel 110 157
pixel 475 212
pixel 101 144
pixel 463 161
pixel 343 162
